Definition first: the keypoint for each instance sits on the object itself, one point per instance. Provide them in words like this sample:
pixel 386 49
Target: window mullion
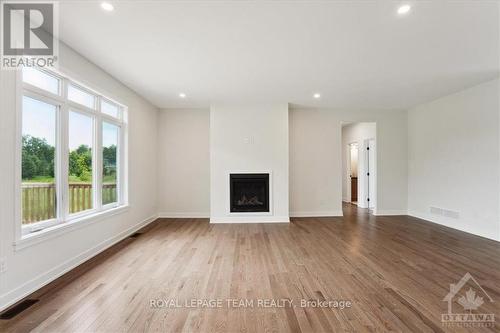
pixel 98 159
pixel 63 158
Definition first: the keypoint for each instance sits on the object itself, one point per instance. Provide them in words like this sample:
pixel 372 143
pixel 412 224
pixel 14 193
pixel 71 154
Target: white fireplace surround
pixel 249 139
pixel 228 193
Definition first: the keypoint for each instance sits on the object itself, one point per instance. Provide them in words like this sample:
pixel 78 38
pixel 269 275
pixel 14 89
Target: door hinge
pixel 368 199
pixel 367 173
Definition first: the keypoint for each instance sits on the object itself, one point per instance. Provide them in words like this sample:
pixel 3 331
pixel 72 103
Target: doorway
pixel 353 171
pixel 359 164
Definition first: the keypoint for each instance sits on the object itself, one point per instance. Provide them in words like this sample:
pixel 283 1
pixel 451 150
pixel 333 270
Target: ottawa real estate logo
pixel 465 300
pixel 29 34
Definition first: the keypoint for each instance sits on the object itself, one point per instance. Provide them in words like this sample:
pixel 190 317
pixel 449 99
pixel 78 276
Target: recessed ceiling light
pixel 317 95
pixel 107 6
pixel 404 9
pixel 182 95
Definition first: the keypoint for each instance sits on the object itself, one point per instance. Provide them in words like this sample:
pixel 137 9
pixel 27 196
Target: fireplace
pixel 249 192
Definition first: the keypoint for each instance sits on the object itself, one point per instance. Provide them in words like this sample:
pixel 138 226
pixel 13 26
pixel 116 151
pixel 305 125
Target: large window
pixel 72 151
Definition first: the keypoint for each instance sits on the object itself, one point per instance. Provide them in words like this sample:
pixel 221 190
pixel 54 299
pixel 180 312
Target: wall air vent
pixel 445 212
pixel 451 214
pixel 436 211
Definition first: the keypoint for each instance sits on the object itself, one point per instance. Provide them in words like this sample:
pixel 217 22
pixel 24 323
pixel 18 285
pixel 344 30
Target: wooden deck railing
pixel 39 199
pixel 80 197
pixel 39 202
pixel 108 193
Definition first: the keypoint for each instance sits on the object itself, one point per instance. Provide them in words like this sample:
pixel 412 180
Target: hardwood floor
pixel 395 271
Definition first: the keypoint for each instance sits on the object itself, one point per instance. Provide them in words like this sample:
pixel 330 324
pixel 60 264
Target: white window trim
pixel 78 86
pixel 105 115
pixel 63 228
pixel 64 222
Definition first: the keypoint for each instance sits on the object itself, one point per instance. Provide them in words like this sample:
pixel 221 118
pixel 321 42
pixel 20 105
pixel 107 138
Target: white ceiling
pixel 357 54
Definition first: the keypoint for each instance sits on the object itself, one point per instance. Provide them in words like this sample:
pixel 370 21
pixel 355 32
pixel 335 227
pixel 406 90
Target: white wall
pixel 316 163
pixel 315 182
pixel 184 163
pixel 356 133
pixel 454 160
pixel 29 268
pixel 250 138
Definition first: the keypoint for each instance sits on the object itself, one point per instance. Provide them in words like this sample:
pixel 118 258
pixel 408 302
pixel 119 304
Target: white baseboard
pixel 329 213
pixel 389 212
pixel 43 279
pixel 184 215
pixel 250 219
pixel 430 218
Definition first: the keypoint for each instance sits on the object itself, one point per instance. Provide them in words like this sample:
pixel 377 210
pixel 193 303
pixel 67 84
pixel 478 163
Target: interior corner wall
pixel 29 268
pixel 249 138
pixel 453 153
pixel 356 133
pixel 315 163
pixel 184 163
pixel 316 160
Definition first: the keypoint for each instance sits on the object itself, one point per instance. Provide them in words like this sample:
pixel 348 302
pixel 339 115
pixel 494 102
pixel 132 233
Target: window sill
pixel 63 228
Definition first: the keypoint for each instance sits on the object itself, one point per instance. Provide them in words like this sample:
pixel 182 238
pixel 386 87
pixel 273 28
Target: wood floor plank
pixel 395 271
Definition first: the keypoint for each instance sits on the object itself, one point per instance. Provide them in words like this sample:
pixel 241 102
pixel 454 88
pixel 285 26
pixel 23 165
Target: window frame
pixel 45 98
pixel 118 166
pixel 108 101
pixel 93 210
pixel 61 174
pixel 78 86
pixel 41 90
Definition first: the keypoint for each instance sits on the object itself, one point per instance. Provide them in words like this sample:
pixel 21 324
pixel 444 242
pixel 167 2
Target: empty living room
pixel 250 166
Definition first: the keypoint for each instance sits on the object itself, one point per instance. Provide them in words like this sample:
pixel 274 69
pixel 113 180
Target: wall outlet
pixel 3 266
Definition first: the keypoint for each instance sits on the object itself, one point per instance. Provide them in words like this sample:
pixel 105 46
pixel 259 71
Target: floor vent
pixel 135 235
pixel 17 309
